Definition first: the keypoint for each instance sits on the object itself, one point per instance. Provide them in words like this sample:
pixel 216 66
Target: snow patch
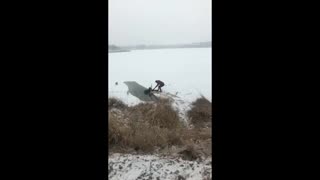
pixel 131 167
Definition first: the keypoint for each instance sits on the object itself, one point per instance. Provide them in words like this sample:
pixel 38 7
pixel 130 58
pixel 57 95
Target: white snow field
pixel 186 73
pixel 133 167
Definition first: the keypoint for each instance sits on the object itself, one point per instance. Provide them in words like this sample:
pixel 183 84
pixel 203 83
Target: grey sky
pixel 134 22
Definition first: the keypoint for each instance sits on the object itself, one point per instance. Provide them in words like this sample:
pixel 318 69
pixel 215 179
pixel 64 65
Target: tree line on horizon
pixel 142 46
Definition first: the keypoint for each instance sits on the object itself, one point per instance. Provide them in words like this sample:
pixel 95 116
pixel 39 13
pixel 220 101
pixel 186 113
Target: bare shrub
pixel 200 114
pixel 118 132
pixel 189 153
pixel 150 126
pixel 116 103
pixel 160 114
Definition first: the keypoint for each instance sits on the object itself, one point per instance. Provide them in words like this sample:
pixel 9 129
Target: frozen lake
pixel 185 72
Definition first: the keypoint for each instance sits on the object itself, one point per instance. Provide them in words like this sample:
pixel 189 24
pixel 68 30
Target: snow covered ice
pixel 186 73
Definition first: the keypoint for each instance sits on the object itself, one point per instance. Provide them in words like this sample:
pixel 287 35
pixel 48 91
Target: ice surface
pixel 186 73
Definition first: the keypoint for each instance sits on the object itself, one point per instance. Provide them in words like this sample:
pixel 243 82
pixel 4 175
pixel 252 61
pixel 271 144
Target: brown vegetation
pixel 116 103
pixel 148 127
pixel 201 113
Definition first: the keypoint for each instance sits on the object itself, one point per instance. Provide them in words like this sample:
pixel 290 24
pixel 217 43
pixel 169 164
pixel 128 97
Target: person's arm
pixel 155 87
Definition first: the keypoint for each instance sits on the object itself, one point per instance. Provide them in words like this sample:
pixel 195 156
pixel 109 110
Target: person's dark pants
pixel 160 86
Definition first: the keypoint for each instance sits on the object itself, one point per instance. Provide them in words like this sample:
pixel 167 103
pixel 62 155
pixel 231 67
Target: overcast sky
pixel 133 22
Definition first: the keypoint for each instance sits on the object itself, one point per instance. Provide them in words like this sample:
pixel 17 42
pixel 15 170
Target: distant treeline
pixel 142 46
pixel 113 47
pixel 193 45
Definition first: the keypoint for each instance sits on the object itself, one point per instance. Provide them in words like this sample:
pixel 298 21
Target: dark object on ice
pixel 160 84
pixel 148 91
pixel 116 83
pixel 140 92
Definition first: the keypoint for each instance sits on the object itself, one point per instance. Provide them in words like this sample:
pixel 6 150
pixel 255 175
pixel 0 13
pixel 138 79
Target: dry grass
pixel 201 113
pixel 116 103
pixel 146 128
pixel 160 114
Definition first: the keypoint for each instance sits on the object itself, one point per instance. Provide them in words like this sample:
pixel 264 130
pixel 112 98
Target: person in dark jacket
pixel 160 84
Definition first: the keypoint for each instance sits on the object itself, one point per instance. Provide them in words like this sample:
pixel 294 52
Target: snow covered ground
pixel 186 73
pixel 132 167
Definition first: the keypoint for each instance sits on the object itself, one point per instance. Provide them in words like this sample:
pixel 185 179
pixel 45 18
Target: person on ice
pixel 160 84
